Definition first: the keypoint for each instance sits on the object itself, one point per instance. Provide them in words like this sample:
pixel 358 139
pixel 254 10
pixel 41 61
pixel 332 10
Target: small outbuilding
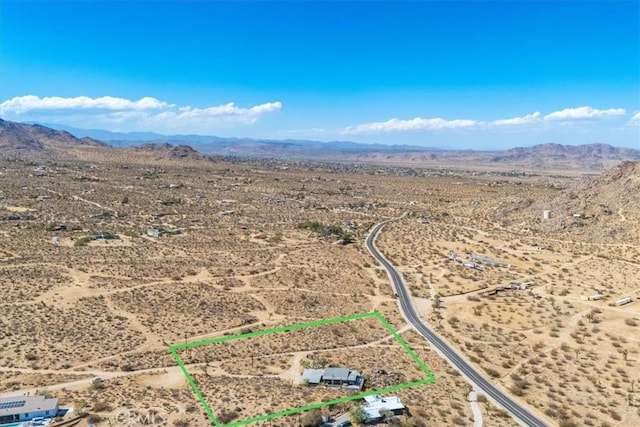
pixel 624 301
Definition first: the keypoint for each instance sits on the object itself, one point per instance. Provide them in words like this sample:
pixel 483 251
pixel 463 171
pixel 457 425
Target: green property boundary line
pixel 430 378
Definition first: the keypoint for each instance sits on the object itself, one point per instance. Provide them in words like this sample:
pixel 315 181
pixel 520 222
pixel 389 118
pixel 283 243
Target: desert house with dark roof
pixel 336 377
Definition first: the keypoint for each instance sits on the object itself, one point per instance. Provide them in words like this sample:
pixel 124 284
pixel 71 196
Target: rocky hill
pixel 587 156
pixel 547 157
pixel 35 142
pixel 166 151
pixel 616 189
pixel 587 150
pixel 601 208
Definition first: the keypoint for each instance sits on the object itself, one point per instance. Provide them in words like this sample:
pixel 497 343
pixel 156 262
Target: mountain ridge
pixel 29 140
pixel 18 140
pixel 118 139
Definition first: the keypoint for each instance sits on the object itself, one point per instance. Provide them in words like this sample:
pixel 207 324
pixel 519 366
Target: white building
pixel 25 408
pixel 376 404
pixel 624 301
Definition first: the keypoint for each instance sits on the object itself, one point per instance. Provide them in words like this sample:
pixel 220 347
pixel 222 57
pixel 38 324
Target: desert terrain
pixel 90 291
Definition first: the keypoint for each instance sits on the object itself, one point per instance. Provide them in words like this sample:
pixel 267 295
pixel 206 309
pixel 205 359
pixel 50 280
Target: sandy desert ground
pixel 262 244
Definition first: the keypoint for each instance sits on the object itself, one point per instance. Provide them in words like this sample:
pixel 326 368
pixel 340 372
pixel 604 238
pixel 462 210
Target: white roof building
pixel 375 404
pixel 24 408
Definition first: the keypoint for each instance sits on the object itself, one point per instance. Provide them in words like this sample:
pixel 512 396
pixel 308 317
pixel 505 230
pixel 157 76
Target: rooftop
pixel 21 404
pixel 377 403
pixel 313 376
pixel 342 374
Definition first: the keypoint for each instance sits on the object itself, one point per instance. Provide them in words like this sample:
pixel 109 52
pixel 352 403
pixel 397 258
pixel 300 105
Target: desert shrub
pixel 324 230
pixel 83 241
pixel 131 233
pixel 501 413
pixel 459 421
pixel 311 418
pixel 492 372
pixel 227 416
pixel 94 418
pixel 615 415
pixel 517 391
pixel 102 407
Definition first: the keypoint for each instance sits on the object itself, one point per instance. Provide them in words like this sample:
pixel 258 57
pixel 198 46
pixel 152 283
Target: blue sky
pixel 479 75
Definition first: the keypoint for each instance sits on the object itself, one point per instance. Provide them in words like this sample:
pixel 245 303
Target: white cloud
pixel 121 114
pixel 23 104
pixel 563 117
pixel 419 123
pixel 635 119
pixel 584 113
pixel 514 121
pixel 266 108
pixel 227 112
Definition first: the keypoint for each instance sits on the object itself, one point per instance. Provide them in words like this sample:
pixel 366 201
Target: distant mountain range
pixel 210 144
pixel 29 140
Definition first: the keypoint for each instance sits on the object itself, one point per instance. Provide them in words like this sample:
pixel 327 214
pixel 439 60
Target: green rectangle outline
pixel 430 378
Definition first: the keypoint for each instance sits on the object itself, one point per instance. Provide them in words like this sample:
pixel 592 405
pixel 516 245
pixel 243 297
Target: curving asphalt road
pixel 520 413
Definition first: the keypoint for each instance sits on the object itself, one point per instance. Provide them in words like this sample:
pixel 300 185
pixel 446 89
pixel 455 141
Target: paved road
pixel 516 410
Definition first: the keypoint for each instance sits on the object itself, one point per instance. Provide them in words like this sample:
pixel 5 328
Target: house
pixel 471 265
pixel 376 406
pixel 172 231
pixel 104 235
pixel 340 376
pixel 336 377
pixel 25 408
pixel 526 285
